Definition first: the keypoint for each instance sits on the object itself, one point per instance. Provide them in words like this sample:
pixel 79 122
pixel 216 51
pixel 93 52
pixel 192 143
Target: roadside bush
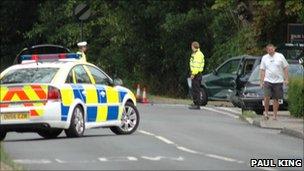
pixel 295 97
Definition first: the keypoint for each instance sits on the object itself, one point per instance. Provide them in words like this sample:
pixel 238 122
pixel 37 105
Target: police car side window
pixel 98 76
pixel 69 78
pixel 81 75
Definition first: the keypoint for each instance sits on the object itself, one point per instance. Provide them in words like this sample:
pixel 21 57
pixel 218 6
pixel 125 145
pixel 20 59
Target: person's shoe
pixel 194 107
pixel 265 117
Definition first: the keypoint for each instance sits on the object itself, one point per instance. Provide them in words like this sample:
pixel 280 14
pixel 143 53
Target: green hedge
pixel 296 97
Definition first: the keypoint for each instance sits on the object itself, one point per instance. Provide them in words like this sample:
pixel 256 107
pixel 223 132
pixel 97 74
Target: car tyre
pixel 2 135
pixel 129 120
pixel 50 134
pixel 77 125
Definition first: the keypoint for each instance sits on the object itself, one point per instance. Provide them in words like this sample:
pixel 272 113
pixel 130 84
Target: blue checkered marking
pixel 64 112
pixel 112 113
pixel 77 89
pixel 99 89
pixel 91 113
pixel 122 95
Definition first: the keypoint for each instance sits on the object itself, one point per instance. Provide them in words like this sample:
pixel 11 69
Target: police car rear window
pixel 29 75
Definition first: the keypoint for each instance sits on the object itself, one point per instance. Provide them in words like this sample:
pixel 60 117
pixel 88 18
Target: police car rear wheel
pixel 129 120
pixel 2 135
pixel 77 125
pixel 49 134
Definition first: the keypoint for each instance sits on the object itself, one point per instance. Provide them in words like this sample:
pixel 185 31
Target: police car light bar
pixel 49 57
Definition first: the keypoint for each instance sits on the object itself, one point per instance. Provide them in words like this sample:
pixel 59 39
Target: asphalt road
pixel 170 137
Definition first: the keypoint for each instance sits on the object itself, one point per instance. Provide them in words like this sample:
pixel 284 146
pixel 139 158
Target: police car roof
pixel 53 64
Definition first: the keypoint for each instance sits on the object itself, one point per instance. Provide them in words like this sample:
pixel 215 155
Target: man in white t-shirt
pixel 273 73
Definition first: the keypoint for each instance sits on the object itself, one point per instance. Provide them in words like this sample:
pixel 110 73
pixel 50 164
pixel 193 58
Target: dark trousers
pixel 196 88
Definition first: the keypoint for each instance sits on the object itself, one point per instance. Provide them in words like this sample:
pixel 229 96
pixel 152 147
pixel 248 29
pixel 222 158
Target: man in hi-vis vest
pixel 197 62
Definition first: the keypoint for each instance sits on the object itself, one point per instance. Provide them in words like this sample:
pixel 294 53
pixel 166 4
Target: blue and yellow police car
pixel 51 93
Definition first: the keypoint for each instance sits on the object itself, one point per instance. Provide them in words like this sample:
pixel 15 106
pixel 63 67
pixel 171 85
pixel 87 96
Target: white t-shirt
pixel 274 67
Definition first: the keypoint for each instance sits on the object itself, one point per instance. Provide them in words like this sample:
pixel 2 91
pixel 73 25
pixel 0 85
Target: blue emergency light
pixel 50 57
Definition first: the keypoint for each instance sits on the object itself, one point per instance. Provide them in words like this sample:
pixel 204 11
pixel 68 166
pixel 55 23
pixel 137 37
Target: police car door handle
pixel 84 92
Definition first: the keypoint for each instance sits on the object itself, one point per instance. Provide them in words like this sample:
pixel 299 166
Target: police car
pixel 51 93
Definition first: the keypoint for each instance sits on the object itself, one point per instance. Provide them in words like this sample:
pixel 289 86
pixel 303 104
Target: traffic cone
pixel 138 93
pixel 144 96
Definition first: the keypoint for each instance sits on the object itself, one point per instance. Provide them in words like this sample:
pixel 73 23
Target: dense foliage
pixel 148 42
pixel 295 97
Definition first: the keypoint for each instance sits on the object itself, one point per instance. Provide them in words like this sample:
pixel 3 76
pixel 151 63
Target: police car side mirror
pixel 215 72
pixel 117 82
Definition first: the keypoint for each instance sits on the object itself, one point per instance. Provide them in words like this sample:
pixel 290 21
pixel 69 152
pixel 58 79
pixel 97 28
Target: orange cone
pixel 138 93
pixel 144 96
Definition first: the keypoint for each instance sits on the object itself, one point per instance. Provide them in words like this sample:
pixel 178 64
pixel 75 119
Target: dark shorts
pixel 273 90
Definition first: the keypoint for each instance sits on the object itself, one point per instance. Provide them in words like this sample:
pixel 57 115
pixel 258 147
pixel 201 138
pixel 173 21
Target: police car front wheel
pixel 129 120
pixel 77 125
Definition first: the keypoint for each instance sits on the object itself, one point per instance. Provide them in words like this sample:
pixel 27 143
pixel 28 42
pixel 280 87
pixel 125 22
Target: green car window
pixel 293 70
pixel 230 67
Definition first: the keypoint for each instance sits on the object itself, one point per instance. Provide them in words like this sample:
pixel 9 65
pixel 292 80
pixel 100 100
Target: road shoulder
pixel 286 124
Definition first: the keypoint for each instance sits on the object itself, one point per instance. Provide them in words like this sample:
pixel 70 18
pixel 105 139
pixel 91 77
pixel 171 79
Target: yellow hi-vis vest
pixel 197 62
pixel 82 56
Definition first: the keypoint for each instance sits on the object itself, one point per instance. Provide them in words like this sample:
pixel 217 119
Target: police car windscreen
pixel 29 75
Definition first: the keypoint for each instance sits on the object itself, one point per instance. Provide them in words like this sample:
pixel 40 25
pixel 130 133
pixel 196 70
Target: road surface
pixel 170 137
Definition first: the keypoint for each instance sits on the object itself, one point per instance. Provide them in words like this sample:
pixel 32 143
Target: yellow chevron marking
pixel 15 98
pixel 3 91
pixel 31 94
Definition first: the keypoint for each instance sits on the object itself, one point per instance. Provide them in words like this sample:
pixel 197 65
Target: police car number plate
pixel 14 116
pixel 271 102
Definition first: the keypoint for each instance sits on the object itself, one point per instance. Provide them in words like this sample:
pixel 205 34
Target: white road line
pixel 221 157
pixel 32 161
pixel 145 132
pixel 221 112
pixel 187 150
pixel 233 110
pixel 132 158
pixel 180 158
pixel 164 140
pixel 167 141
pixel 157 158
pixel 60 161
pixel 102 159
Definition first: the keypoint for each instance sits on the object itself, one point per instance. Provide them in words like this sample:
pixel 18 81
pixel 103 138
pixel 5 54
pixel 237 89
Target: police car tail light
pixel 34 57
pixel 53 93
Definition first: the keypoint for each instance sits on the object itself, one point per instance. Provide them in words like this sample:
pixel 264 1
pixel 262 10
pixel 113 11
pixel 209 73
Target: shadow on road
pixel 60 138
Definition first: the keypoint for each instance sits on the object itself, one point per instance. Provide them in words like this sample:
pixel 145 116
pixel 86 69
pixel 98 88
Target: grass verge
pixel 5 161
pixel 168 100
pixel 249 114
